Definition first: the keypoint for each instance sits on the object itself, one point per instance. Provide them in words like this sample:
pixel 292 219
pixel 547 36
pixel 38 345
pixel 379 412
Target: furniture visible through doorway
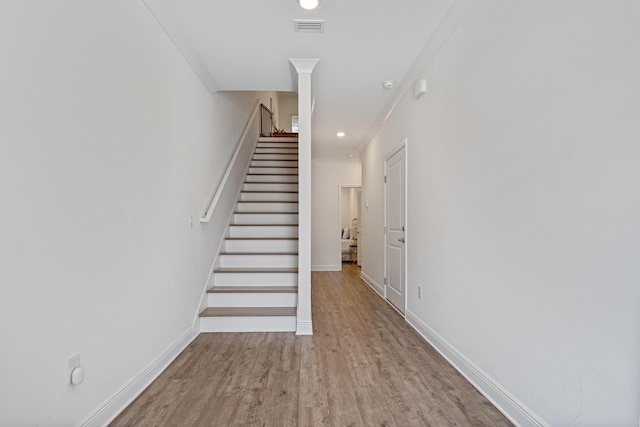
pixel 349 242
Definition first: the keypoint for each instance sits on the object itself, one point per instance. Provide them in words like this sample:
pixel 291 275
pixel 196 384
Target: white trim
pixel 304 65
pixel 374 285
pixel 204 303
pixel 304 328
pixel 331 267
pixel 112 407
pixel 206 217
pixel 504 401
pixel 277 139
pixel 304 68
pixel 162 12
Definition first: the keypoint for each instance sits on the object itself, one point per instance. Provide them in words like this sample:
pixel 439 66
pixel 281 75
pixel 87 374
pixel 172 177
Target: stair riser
pixel 248 324
pixel 267 207
pixel 273 170
pixel 272 178
pixel 277 140
pixel 258 261
pixel 252 299
pixel 255 279
pixel 289 197
pixel 276 150
pixel 263 231
pixel 278 147
pixel 259 218
pixel 274 163
pixel 261 246
pixel 266 186
pixel 258 156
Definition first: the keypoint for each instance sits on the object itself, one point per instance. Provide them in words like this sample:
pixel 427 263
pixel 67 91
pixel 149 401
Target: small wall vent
pixel 308 25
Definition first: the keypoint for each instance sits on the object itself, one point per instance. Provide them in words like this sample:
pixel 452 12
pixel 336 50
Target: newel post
pixel 304 68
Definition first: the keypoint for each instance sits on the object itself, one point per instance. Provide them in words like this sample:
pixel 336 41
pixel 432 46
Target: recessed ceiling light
pixel 388 84
pixel 308 4
pixel 350 155
pixel 340 134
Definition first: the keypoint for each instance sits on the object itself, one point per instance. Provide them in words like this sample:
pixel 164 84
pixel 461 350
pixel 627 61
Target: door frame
pixel 403 145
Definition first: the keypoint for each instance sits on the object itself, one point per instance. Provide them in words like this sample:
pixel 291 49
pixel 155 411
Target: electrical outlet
pixel 419 292
pixel 74 362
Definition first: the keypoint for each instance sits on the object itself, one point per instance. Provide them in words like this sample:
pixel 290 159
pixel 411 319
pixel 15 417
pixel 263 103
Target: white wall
pixel 353 204
pixel 109 143
pixel 326 178
pixel 524 202
pixel 288 105
pixel 348 206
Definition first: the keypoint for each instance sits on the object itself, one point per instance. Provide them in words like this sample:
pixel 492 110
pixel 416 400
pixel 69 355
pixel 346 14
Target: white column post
pixel 304 68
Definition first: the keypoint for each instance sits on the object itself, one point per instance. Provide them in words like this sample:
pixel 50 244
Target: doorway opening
pixel 349 206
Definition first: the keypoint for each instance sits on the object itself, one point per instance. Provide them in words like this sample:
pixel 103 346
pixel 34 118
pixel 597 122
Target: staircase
pixel 255 286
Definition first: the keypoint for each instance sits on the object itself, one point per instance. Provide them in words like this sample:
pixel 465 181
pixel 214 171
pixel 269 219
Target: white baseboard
pixel 506 403
pixel 326 267
pixel 304 328
pixel 112 407
pixel 374 285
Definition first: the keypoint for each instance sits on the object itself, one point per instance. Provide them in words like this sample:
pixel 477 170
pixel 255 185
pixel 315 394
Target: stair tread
pixel 261 225
pixel 261 238
pixel 256 270
pixel 273 167
pixel 270 182
pixel 272 174
pixel 258 253
pixel 267 201
pixel 249 311
pixel 253 289
pixel 269 191
pixel 264 213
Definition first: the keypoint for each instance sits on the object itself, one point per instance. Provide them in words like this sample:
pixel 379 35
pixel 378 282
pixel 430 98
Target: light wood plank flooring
pixel 364 366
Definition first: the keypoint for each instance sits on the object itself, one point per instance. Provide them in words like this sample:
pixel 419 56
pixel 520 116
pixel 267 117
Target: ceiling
pixel 246 45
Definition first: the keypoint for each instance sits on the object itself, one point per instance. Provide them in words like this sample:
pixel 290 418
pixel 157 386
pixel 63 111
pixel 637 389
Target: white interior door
pixel 395 226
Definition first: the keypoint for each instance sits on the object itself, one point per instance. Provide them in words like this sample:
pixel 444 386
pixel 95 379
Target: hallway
pixel 364 366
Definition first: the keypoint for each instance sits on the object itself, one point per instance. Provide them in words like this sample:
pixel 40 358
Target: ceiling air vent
pixel 308 25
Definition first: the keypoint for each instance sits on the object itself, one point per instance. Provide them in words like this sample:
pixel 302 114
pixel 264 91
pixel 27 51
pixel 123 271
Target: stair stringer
pixel 229 214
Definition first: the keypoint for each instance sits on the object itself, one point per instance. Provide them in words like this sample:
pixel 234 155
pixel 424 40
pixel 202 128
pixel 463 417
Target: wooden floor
pixel 364 366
